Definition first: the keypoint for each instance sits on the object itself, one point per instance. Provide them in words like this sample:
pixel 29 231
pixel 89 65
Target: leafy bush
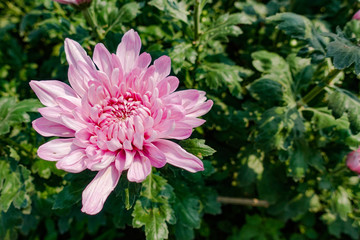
pixel 283 78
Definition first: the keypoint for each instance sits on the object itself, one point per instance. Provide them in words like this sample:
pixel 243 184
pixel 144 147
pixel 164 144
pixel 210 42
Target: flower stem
pixel 197 12
pixel 92 22
pixel 317 89
pixel 243 201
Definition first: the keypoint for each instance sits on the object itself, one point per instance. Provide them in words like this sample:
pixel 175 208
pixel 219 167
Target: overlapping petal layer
pixel 118 114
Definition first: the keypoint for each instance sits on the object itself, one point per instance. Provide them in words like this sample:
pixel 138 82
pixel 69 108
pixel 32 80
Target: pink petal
pixel 48 128
pixel 72 123
pixel 75 53
pixel 96 193
pixel 48 91
pixel 200 109
pixel 181 131
pixel 56 149
pixel 193 122
pixel 52 113
pixel 77 81
pixel 106 159
pixel 73 162
pixel 102 59
pixel 143 61
pixel 177 156
pixel 163 67
pixel 139 169
pixel 156 157
pixel 168 85
pixel 128 50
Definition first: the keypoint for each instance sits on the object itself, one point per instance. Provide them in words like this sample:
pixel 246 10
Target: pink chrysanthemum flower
pixel 74 2
pixel 353 161
pixel 118 115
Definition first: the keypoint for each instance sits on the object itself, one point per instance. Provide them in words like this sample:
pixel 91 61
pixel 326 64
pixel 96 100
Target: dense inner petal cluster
pixel 119 114
pixel 119 119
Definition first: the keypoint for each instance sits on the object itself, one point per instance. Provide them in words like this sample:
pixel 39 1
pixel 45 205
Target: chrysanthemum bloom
pixel 118 115
pixel 353 161
pixel 356 15
pixel 74 2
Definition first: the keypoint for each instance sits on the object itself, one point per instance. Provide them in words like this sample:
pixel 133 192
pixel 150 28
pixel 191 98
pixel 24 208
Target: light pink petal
pixel 200 109
pixel 48 91
pixel 48 128
pixel 193 122
pixel 96 193
pixel 156 157
pixel 168 85
pixel 163 67
pixel 177 156
pixel 75 53
pixel 73 162
pixel 139 169
pixel 77 81
pixel 128 50
pixel 106 159
pixel 181 131
pixel 72 123
pixel 143 61
pixel 102 59
pixel 52 113
pixel 56 149
pixel 120 160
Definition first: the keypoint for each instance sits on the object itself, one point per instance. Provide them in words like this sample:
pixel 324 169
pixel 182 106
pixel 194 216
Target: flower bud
pixel 356 15
pixel 353 161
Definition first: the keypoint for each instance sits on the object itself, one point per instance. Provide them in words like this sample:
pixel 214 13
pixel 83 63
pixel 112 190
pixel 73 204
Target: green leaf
pixel 14 186
pixel 300 27
pixel 343 52
pixel 45 168
pixel 227 25
pixel 347 227
pixel 126 13
pixel 343 102
pixel 274 68
pixel 197 147
pixel 278 127
pixel 298 165
pixel 183 233
pixel 251 167
pixel 267 91
pixel 71 194
pixel 258 227
pixel 341 203
pixel 323 119
pixel 352 29
pixel 129 191
pixel 293 24
pixel 152 209
pixel 217 75
pixel 12 112
pixel 182 55
pixel 175 9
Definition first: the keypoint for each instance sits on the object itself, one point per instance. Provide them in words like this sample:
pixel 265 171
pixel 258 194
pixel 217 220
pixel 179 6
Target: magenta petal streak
pixel 118 114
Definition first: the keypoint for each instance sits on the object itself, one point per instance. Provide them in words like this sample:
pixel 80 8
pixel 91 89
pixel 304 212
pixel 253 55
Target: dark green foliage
pixel 282 122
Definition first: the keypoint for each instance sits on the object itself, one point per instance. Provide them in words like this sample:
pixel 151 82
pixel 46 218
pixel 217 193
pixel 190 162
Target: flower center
pixel 121 109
